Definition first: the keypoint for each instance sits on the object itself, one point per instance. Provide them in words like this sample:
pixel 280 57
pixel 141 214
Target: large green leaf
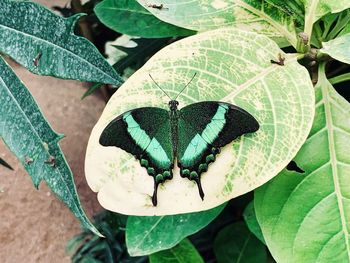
pixel 265 17
pixel 146 235
pixel 338 48
pixel 235 243
pixel 28 135
pixel 129 17
pixel 45 44
pixel 305 217
pixel 233 66
pixel 184 252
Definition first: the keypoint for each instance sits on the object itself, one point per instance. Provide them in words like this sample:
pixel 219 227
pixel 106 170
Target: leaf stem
pixel 309 18
pixel 340 78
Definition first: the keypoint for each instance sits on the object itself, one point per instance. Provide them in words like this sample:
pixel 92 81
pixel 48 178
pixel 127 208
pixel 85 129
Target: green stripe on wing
pixel 201 142
pixel 146 134
pixel 204 128
pixel 151 146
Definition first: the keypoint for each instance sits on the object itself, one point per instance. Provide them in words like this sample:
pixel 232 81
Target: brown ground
pixel 34 225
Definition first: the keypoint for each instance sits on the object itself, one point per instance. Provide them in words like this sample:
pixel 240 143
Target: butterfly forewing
pixel 145 133
pixel 204 127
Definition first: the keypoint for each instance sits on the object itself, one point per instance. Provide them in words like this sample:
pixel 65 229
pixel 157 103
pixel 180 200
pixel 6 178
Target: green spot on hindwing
pixel 151 171
pixel 167 175
pixel 185 173
pixel 210 158
pixel 193 175
pixel 203 167
pixel 144 163
pixel 159 178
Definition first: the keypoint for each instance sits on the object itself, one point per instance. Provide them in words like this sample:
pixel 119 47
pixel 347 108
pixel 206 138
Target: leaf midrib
pixel 333 160
pixel 148 232
pixel 279 27
pixel 243 248
pixel 58 47
pixel 128 10
pixel 309 18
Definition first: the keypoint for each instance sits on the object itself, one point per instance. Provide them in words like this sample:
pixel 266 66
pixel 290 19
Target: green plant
pixel 280 60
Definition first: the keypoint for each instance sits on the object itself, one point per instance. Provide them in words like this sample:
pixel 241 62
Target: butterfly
pixel 192 135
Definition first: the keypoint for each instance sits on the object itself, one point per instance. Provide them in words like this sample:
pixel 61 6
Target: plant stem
pixel 338 70
pixel 340 78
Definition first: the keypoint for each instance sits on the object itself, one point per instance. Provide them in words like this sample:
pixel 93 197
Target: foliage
pixel 86 246
pixel 111 248
pixel 181 253
pixel 326 27
pixel 131 18
pixel 226 63
pixel 325 159
pixel 235 243
pixel 145 235
pixel 45 46
pixel 302 217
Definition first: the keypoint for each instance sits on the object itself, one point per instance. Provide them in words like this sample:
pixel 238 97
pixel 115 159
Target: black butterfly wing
pixel 145 133
pixel 204 128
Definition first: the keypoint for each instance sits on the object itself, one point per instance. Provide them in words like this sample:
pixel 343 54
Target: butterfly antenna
pixel 186 85
pixel 160 87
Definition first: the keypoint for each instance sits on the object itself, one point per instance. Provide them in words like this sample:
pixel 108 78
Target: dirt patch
pixel 34 225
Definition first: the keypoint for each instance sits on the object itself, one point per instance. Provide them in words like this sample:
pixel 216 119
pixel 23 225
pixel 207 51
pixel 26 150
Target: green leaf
pixel 146 235
pixel 29 136
pixel 91 90
pixel 252 223
pixel 264 17
pixel 184 252
pixel 338 48
pixel 315 9
pixel 233 66
pixel 305 217
pixel 138 55
pixel 135 58
pixel 4 163
pixel 235 243
pixel 45 44
pixel 129 17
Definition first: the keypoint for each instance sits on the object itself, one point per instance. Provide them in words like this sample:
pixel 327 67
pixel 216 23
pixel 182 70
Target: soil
pixel 35 226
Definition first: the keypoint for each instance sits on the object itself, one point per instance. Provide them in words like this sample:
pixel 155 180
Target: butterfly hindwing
pixel 145 133
pixel 204 128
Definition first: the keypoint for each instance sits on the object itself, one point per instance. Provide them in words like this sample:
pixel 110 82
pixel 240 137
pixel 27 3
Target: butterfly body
pixel 192 135
pixel 174 120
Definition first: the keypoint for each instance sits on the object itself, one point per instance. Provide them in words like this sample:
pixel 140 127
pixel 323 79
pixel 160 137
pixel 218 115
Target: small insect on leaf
pixel 51 161
pixel 36 60
pixel 28 160
pixel 280 61
pixel 159 7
